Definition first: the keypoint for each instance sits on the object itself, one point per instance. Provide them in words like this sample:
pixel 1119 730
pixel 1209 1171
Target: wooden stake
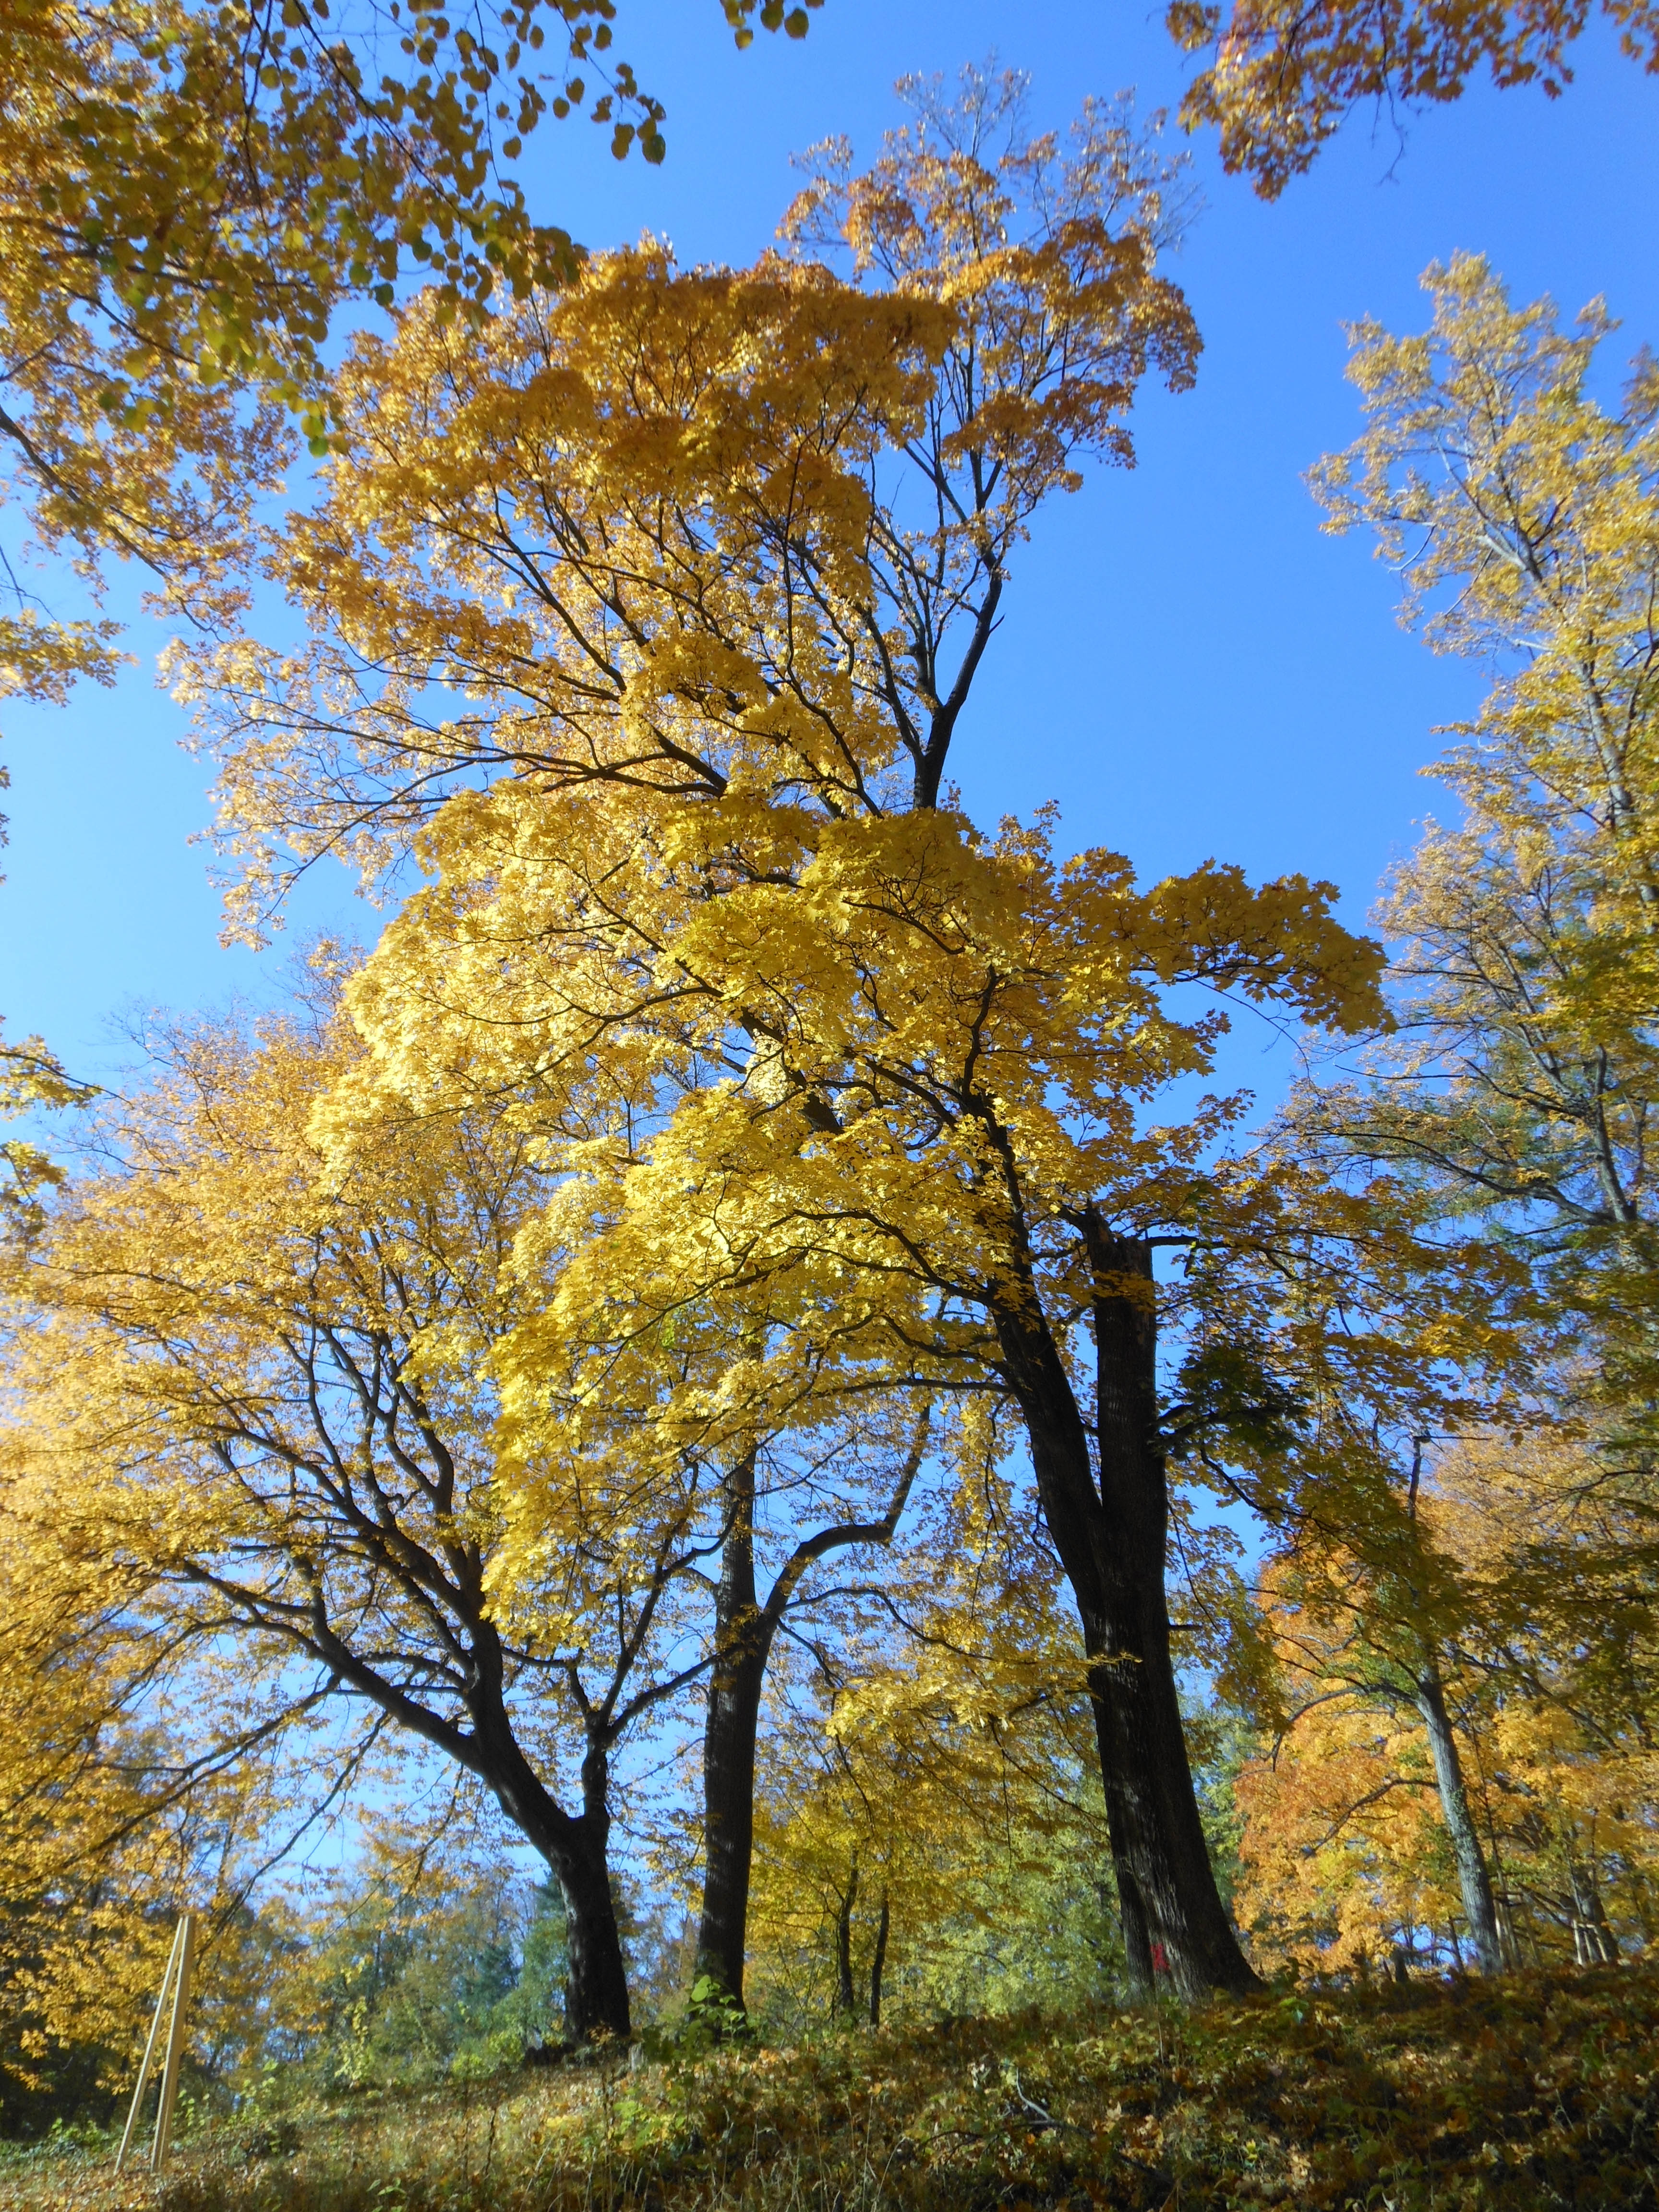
pixel 177 1976
pixel 175 2043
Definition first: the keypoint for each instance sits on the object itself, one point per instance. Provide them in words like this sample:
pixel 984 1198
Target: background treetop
pixel 1285 77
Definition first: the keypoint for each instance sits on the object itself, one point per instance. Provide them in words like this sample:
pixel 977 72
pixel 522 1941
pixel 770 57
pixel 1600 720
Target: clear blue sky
pixel 1187 665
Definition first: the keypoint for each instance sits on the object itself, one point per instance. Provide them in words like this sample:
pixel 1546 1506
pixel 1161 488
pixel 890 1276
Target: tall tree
pixel 747 1621
pixel 1511 1103
pixel 927 1816
pixel 1522 1083
pixel 803 1458
pixel 717 559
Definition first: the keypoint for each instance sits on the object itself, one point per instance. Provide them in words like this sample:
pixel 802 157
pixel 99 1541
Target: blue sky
pixel 1187 665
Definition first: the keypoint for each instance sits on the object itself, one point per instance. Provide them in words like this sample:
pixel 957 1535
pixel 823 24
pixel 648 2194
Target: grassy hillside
pixel 1538 2093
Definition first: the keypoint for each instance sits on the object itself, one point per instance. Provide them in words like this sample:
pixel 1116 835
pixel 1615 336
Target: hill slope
pixel 1536 2092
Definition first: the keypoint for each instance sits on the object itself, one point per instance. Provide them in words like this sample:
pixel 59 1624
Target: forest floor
pixel 1538 2092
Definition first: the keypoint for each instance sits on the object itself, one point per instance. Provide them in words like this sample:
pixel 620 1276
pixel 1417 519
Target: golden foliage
pixel 188 194
pixel 701 535
pixel 263 1395
pixel 125 1793
pixel 1345 1842
pixel 1284 76
pixel 926 1779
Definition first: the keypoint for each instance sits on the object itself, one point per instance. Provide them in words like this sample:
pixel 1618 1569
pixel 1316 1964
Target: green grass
pixel 1535 2093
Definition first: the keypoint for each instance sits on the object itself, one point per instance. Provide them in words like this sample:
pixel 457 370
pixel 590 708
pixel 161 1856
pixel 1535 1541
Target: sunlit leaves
pixel 1524 515
pixel 189 196
pixel 1283 77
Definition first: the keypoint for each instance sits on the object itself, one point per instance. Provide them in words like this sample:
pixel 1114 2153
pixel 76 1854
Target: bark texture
pixel 575 1846
pixel 1110 1524
pixel 743 1643
pixel 596 1992
pixel 845 1995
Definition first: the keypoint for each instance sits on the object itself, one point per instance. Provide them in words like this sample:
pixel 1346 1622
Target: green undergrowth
pixel 1532 2093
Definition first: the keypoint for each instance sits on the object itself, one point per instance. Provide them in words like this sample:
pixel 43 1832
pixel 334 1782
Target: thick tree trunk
pixel 1474 1880
pixel 1111 1536
pixel 878 1959
pixel 743 1643
pixel 596 1993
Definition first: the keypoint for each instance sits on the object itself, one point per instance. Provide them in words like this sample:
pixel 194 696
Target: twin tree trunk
pixel 1111 1533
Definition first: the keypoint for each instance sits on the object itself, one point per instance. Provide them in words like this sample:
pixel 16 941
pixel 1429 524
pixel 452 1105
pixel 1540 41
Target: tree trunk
pixel 743 1643
pixel 1509 1943
pixel 1111 1540
pixel 744 1631
pixel 847 2002
pixel 878 1961
pixel 596 1993
pixel 1594 1942
pixel 1474 1880
pixel 576 1847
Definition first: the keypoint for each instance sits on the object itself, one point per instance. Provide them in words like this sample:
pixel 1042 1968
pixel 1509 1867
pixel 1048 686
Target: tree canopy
pixel 749 1326
pixel 1284 77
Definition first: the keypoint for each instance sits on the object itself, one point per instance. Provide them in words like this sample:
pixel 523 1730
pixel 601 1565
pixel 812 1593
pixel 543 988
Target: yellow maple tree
pixel 259 1394
pixel 708 563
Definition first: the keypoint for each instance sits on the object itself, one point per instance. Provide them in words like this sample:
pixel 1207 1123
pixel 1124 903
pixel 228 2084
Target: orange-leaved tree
pixel 1369 1754
pixel 1456 1711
